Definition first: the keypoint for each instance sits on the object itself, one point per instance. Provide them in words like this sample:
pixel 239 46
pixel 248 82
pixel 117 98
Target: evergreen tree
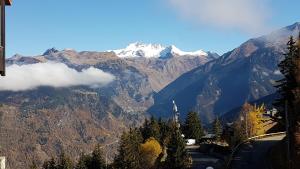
pixel 83 162
pixel 129 150
pixel 289 90
pixel 93 161
pixel 155 129
pixel 165 132
pixel 145 129
pixel 64 162
pixel 51 164
pixel 217 129
pixel 33 165
pixel 177 155
pixel 151 129
pixel 286 86
pixel 193 127
pixel 296 127
pixel 97 160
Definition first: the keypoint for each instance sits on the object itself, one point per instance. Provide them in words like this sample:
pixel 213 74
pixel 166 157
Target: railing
pixel 266 135
pixel 235 149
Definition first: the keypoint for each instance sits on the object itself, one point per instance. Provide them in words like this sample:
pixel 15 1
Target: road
pixel 253 155
pixel 202 161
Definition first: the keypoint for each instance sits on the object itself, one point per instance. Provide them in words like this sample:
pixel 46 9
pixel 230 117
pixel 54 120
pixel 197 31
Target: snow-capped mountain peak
pixel 174 50
pixel 153 51
pixel 140 50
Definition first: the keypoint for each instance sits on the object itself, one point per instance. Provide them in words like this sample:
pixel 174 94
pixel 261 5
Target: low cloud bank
pixel 246 15
pixel 27 77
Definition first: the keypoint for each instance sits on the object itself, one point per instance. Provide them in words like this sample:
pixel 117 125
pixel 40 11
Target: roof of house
pixel 8 2
pixel 209 136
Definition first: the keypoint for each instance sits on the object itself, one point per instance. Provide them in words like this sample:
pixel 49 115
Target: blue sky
pixel 97 25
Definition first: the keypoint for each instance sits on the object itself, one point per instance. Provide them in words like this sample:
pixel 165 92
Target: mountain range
pixel 39 123
pixel 154 51
pixel 244 74
pixel 43 121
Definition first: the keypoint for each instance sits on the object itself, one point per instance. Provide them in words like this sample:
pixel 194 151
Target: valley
pixel 42 122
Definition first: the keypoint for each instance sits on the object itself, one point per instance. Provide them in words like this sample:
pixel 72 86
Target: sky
pixel 99 25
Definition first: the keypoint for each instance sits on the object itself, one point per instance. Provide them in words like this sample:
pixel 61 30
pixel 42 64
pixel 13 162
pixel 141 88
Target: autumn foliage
pixel 250 122
pixel 150 151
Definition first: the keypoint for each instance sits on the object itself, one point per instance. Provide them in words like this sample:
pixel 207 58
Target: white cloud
pixel 26 77
pixel 245 15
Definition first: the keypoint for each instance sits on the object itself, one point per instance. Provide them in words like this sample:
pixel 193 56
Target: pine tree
pixel 83 162
pixel 151 129
pixel 64 162
pixel 177 155
pixel 296 127
pixel 33 165
pixel 97 160
pixel 217 129
pixel 129 150
pixel 51 164
pixel 285 88
pixel 193 127
pixel 289 90
pixel 145 129
pixel 165 132
pixel 155 129
pixel 93 161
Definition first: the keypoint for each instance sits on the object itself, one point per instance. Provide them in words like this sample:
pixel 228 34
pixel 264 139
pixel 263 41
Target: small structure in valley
pixel 190 142
pixel 208 138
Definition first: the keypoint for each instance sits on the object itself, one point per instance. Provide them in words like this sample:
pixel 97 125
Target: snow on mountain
pixel 153 50
pixel 174 50
pixel 140 50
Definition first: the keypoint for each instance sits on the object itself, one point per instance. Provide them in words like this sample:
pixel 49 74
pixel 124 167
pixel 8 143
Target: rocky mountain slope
pixel 246 73
pixel 233 114
pixel 40 123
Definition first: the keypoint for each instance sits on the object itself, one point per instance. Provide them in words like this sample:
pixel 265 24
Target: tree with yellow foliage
pixel 250 122
pixel 256 121
pixel 150 150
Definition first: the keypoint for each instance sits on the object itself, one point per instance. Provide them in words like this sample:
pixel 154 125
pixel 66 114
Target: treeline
pixel 160 144
pixel 156 144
